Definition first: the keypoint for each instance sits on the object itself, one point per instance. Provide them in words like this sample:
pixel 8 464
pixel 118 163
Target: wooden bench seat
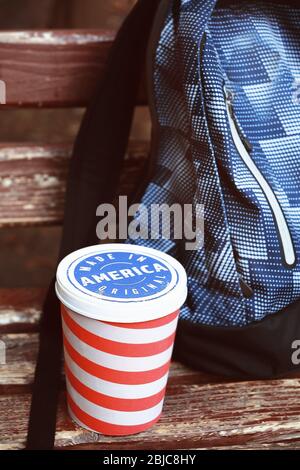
pixel 201 411
pixel 60 69
pixel 33 179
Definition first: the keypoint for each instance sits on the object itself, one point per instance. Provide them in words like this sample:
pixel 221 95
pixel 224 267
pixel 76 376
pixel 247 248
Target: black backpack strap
pixel 93 178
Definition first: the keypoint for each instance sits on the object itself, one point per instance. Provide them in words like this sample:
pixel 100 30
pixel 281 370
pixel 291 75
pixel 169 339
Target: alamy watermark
pixel 296 353
pixel 2 92
pixel 2 343
pixel 2 353
pixel 156 221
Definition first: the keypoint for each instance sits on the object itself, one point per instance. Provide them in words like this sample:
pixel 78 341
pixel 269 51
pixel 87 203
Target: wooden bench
pixel 60 69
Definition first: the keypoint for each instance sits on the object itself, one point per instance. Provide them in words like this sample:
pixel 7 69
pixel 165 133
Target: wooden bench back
pixel 49 69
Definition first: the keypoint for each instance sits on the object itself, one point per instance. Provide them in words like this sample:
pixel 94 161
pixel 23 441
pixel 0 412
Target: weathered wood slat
pixel 20 309
pixel 32 181
pixel 53 68
pixel 195 416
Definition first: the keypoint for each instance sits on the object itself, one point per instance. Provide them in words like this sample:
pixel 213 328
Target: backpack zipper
pixel 284 235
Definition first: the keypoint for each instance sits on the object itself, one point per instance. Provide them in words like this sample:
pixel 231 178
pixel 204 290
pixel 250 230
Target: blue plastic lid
pixel 121 283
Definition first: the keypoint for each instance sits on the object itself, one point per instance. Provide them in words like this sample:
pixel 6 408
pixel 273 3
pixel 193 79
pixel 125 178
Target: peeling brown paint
pixel 33 179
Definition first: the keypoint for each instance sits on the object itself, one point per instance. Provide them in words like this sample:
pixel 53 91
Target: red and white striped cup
pixel 120 305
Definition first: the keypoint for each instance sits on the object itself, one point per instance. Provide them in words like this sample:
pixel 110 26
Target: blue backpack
pixel 226 134
pixel 224 93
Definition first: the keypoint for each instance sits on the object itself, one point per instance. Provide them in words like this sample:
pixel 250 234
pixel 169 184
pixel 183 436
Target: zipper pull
pixel 229 97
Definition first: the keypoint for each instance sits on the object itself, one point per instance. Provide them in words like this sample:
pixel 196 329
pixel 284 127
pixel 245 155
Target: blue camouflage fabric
pixel 252 50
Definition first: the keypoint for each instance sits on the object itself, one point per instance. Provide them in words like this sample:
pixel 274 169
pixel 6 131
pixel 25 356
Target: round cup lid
pixel 121 283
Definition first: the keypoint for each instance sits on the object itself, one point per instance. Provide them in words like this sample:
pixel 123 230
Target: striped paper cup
pixel 120 305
